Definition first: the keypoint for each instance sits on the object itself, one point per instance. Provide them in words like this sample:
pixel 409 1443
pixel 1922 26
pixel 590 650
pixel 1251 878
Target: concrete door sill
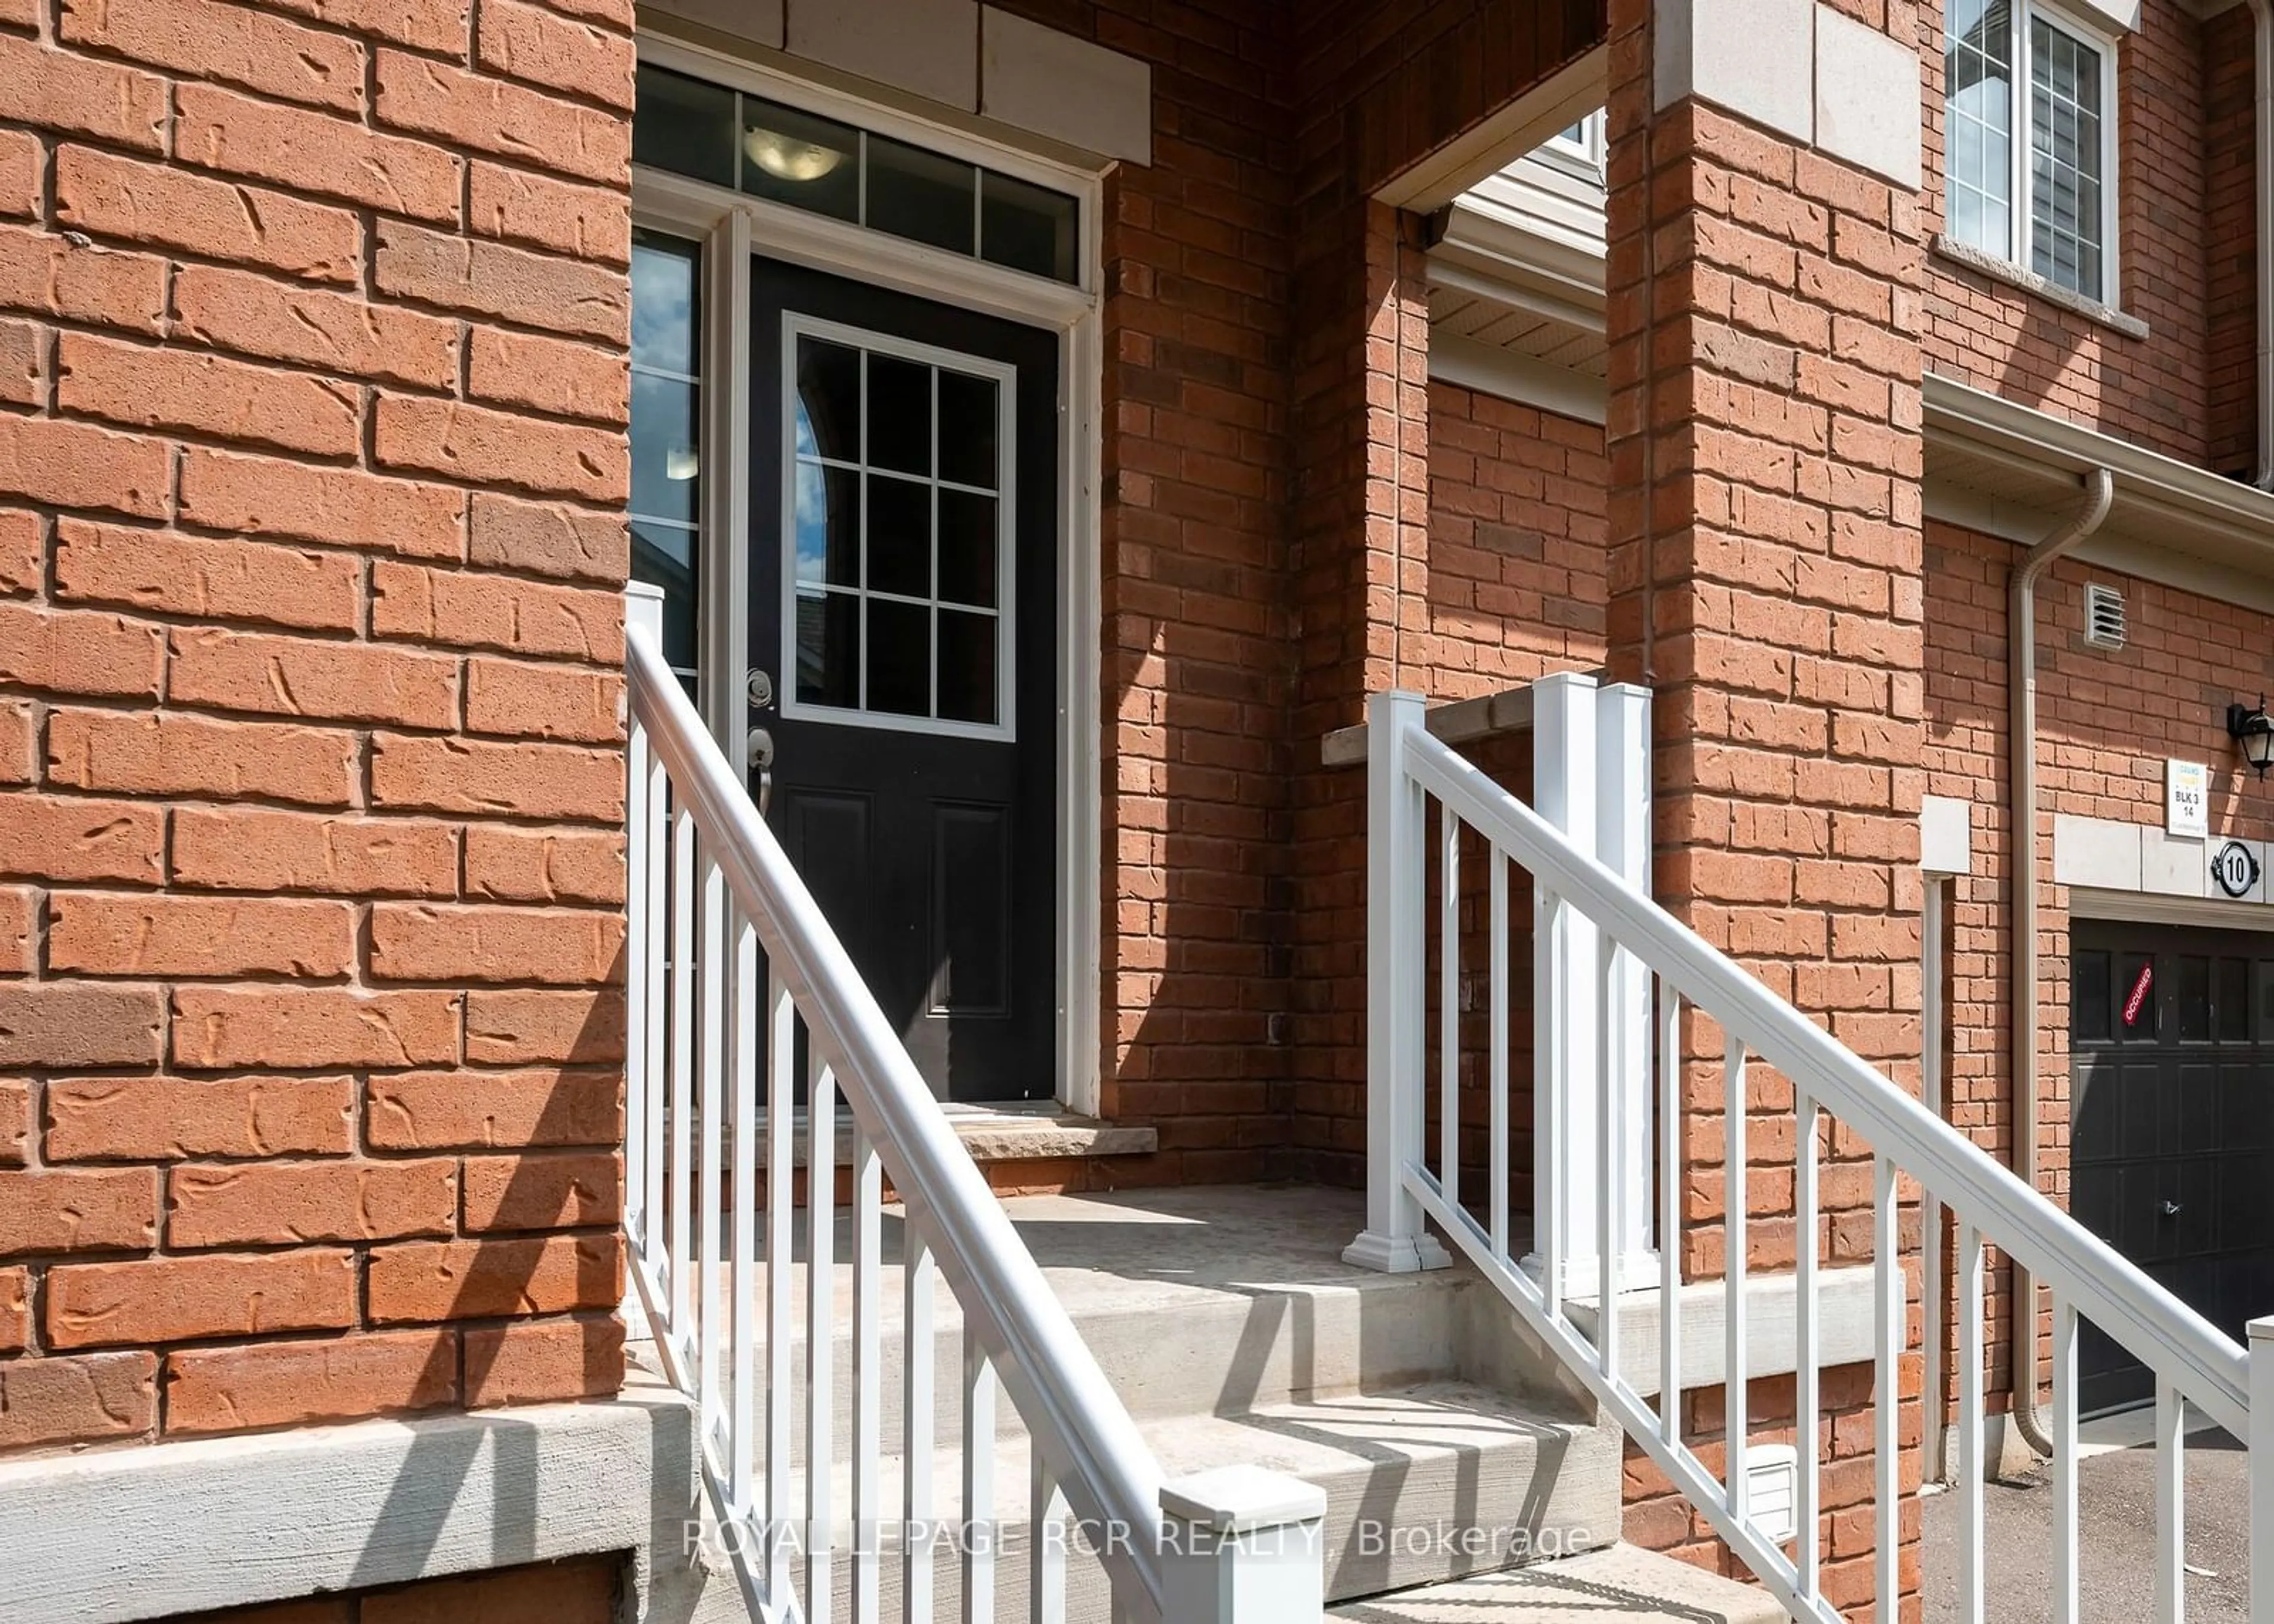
pixel 1016 1130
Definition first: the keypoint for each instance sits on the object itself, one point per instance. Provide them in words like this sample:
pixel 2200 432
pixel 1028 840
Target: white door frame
pixel 731 228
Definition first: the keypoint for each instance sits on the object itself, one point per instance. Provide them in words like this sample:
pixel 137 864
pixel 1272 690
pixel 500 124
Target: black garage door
pixel 2172 1144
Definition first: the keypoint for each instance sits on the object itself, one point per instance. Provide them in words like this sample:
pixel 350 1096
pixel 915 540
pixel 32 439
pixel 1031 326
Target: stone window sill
pixel 2014 276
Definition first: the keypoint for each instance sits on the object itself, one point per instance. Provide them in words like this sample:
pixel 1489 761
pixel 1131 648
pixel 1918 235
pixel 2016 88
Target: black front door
pixel 2172 1143
pixel 903 579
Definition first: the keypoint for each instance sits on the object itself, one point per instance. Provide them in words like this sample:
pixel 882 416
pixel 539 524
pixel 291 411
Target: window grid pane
pixel 2066 227
pixel 886 621
pixel 666 504
pixel 1978 175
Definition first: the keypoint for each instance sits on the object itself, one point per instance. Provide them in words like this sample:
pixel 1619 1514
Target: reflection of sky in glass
pixel 812 513
pixel 663 299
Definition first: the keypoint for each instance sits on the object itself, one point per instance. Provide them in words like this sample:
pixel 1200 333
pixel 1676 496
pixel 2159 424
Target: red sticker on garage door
pixel 2139 994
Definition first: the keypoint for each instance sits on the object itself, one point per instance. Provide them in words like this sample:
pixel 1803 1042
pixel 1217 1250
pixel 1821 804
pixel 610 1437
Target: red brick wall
pixel 1238 423
pixel 1512 583
pixel 1381 88
pixel 1764 522
pixel 579 1591
pixel 311 453
pixel 2001 338
pixel 2230 233
pixel 1195 614
pixel 2106 722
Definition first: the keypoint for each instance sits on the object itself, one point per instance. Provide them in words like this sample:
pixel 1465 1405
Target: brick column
pixel 312 472
pixel 1765 438
pixel 1361 423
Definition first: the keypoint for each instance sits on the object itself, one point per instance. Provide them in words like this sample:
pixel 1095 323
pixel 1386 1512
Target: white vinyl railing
pixel 827 1505
pixel 1846 1118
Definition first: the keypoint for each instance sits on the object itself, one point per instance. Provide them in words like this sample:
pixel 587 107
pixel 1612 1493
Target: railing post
pixel 1564 788
pixel 644 608
pixel 1623 841
pixel 1243 1545
pixel 1396 878
pixel 2261 1447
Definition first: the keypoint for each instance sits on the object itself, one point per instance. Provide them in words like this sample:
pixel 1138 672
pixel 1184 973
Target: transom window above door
pixel 785 155
pixel 897 459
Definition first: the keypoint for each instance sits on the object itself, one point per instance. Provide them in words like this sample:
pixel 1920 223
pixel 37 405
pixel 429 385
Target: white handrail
pixel 1162 1545
pixel 1108 1474
pixel 1596 928
pixel 2104 1285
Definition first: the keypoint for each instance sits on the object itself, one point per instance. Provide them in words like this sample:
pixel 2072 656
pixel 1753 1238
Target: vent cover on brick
pixel 2103 617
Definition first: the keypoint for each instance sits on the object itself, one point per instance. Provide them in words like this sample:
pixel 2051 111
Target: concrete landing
pixel 1619 1585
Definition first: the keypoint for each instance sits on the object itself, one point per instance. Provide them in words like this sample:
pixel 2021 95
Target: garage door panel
pixel 2242 1105
pixel 2190 1124
pixel 2172 1125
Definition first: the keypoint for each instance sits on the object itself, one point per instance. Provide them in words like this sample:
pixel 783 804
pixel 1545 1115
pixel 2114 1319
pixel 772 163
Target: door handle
pixel 758 757
pixel 2170 1209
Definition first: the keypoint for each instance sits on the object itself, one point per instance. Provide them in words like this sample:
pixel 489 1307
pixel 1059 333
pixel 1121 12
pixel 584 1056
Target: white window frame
pixel 731 226
pixel 2019 249
pixel 1583 154
pixel 1004 729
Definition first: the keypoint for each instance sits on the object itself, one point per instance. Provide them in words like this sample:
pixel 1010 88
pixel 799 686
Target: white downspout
pixel 2022 740
pixel 2262 13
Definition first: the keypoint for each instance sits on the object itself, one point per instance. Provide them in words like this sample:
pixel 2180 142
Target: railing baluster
pixel 1970 1268
pixel 637 832
pixel 653 997
pixel 1046 1601
pixel 820 1344
pixel 978 1541
pixel 711 1110
pixel 2068 1590
pixel 743 1494
pixel 1498 928
pixel 1888 1275
pixel 2171 1502
pixel 918 1423
pixel 868 1375
pixel 1806 1402
pixel 1550 1042
pixel 1736 1364
pixel 682 1072
pixel 1610 1187
pixel 1449 1004
pixel 781 1050
pixel 1670 1211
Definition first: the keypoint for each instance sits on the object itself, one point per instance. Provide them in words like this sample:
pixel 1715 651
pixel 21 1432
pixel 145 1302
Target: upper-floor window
pixel 2048 202
pixel 1581 145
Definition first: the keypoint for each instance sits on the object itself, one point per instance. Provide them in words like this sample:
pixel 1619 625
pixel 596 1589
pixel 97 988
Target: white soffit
pixel 1512 375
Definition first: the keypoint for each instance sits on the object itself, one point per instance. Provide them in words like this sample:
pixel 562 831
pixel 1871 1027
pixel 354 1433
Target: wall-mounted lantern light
pixel 2252 731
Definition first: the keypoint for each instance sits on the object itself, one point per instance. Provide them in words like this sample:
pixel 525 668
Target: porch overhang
pixel 2011 471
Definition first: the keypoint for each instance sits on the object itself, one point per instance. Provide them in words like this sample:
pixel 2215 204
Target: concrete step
pixel 1423 1484
pixel 1617 1585
pixel 1209 1301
